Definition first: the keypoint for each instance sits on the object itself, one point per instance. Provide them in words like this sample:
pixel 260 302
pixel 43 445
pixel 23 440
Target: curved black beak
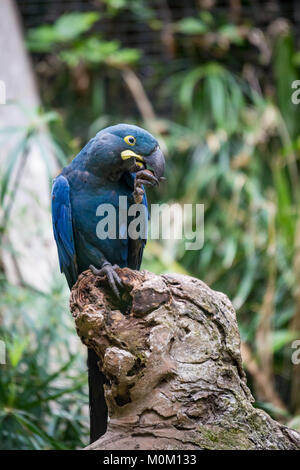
pixel 156 162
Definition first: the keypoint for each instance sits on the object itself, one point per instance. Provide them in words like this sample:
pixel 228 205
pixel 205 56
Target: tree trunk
pixel 28 233
pixel 170 349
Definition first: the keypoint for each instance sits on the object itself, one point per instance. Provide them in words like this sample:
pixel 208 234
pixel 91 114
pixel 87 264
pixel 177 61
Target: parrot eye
pixel 130 140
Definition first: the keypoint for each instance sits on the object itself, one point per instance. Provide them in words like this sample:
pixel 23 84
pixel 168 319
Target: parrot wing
pixel 63 229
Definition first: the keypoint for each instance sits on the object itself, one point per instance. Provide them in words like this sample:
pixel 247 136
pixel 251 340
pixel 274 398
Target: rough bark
pixel 170 349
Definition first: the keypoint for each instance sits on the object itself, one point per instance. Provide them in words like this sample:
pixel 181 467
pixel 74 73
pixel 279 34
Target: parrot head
pixel 124 147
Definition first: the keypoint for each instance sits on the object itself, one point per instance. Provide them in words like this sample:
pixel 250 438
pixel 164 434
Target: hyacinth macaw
pixel 114 163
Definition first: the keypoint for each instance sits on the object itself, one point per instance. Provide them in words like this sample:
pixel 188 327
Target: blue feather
pixel 63 228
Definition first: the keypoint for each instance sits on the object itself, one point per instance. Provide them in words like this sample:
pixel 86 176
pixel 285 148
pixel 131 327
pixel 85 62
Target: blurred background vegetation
pixel 213 81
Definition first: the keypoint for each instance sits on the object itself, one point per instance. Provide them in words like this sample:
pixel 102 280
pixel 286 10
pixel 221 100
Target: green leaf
pixel 191 26
pixel 246 282
pixel 273 410
pixel 91 50
pixel 68 27
pixel 215 90
pixel 27 421
pixel 231 32
pixel 72 25
pixel 282 337
pixel 41 39
pixel 11 161
pixel 59 154
pixel 15 349
pixel 125 57
pixel 56 395
pixel 188 86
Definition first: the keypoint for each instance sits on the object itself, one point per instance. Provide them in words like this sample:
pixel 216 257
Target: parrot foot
pixel 112 276
pixel 143 177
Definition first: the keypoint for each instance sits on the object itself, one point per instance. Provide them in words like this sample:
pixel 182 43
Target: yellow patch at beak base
pixel 129 154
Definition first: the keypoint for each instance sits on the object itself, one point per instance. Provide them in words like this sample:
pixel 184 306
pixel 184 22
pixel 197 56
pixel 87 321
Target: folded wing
pixel 63 229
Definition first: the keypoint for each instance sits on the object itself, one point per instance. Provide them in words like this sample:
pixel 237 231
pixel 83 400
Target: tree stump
pixel 170 350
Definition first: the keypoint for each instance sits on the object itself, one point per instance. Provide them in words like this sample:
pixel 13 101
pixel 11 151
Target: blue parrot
pixel 112 164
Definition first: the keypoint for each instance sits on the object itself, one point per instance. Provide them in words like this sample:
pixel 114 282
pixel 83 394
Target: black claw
pixel 143 176
pixel 112 283
pixel 147 182
pixel 109 271
pixel 95 271
pixel 118 280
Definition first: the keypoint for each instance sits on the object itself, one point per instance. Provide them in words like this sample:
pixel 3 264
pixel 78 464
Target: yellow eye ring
pixel 130 140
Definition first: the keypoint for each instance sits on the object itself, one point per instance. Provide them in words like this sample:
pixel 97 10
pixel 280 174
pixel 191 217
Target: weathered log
pixel 170 349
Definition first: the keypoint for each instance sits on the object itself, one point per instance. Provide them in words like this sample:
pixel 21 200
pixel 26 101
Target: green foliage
pixel 206 23
pixel 218 101
pixel 41 386
pixel 31 134
pixel 95 51
pixel 192 26
pixel 285 73
pixel 68 27
pixel 41 393
pixel 65 37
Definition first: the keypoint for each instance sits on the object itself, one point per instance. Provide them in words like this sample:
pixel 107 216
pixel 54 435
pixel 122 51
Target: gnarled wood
pixel 170 350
